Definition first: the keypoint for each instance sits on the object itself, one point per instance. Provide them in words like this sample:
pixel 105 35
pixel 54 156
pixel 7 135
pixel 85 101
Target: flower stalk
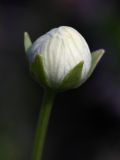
pixel 42 125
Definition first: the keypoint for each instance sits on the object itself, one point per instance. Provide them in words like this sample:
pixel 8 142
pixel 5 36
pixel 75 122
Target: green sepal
pixel 96 56
pixel 38 72
pixel 73 78
pixel 27 42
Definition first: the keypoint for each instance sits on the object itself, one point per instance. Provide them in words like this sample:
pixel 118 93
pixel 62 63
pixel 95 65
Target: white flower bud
pixel 62 49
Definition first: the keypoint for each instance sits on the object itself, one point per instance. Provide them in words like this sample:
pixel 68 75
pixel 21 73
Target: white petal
pixel 62 48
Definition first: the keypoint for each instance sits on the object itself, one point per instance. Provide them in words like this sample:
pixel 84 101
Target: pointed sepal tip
pixel 27 42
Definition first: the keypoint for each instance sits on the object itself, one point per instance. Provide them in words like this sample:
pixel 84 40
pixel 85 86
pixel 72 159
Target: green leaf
pixel 27 42
pixel 72 79
pixel 96 56
pixel 38 71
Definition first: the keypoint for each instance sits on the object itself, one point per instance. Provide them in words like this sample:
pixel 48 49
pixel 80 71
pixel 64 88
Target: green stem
pixel 42 124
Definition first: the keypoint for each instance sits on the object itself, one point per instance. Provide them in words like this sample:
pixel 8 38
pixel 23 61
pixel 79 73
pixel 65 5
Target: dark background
pixel 85 122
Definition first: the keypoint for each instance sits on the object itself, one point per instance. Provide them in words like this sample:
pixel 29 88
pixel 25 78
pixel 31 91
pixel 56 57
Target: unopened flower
pixel 61 58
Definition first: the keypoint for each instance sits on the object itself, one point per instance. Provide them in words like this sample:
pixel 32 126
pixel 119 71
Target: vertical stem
pixel 42 124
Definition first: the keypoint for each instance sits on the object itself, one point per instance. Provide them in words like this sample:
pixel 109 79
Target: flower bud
pixel 60 59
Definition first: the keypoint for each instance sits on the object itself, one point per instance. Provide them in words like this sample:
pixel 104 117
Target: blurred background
pixel 85 123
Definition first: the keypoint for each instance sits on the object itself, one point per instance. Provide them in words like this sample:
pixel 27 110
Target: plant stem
pixel 42 124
